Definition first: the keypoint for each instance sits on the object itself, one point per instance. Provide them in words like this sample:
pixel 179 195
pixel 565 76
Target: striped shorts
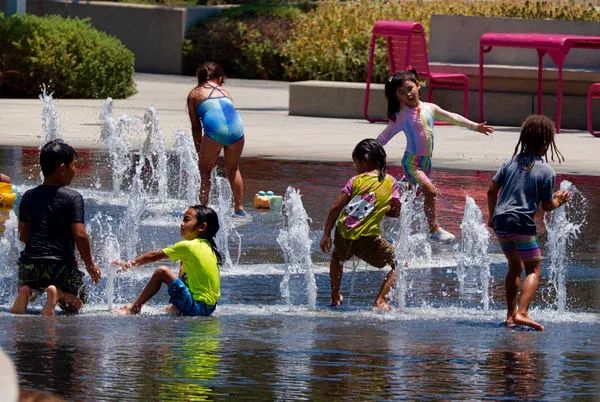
pixel 416 168
pixel 526 247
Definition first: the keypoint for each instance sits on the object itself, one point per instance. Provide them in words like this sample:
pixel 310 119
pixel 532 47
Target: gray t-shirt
pixel 521 192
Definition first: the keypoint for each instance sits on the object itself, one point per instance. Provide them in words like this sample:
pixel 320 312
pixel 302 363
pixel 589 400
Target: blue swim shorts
pixel 181 297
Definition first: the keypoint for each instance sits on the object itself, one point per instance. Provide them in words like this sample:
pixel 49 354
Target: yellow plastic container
pixel 7 197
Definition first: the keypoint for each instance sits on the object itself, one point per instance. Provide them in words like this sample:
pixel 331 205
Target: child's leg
pixel 387 284
pixel 51 300
pixel 429 193
pixel 161 275
pixel 511 287
pixel 336 270
pixel 232 154
pixel 21 301
pixel 530 284
pixel 209 152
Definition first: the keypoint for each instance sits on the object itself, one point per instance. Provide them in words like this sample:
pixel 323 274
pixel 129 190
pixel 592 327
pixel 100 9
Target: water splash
pixel 106 250
pixel 154 151
pixel 473 271
pixel 51 129
pixel 10 247
pixel 221 200
pixel 294 239
pixel 563 226
pixel 189 175
pixel 114 134
pixel 410 236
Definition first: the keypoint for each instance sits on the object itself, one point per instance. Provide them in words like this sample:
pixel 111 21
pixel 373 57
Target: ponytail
pixel 209 216
pixel 208 71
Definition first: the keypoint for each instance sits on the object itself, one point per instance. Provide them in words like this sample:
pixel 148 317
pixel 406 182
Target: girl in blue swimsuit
pixel 216 125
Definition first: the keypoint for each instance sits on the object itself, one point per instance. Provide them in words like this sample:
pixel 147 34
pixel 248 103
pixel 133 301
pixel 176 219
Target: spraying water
pixel 473 271
pixel 294 239
pixel 10 246
pixel 409 234
pixel 154 152
pixel 114 135
pixel 563 226
pixel 106 250
pixel 189 175
pixel 50 124
pixel 221 199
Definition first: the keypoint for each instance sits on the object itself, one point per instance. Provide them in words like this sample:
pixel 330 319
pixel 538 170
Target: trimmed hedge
pixel 68 55
pixel 330 41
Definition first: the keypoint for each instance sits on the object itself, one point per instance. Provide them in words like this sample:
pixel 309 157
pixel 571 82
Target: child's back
pixel 525 182
pixel 49 211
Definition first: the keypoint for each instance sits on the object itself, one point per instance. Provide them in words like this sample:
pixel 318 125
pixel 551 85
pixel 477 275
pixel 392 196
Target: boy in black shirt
pixel 51 224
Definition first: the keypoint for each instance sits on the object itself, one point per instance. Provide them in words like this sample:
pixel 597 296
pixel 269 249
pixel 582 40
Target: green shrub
pixel 331 41
pixel 68 55
pixel 247 41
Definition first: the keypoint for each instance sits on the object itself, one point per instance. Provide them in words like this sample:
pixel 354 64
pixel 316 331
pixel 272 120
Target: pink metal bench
pixel 557 46
pixel 593 93
pixel 407 47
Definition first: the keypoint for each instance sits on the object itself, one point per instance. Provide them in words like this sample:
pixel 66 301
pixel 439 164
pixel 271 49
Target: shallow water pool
pixel 256 346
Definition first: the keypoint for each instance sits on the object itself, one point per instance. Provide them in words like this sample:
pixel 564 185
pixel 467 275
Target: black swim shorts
pixel 66 277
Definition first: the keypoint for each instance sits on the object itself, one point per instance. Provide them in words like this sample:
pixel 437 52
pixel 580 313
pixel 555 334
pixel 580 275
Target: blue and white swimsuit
pixel 220 120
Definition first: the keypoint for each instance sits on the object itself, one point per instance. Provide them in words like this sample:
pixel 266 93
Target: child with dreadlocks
pixel 524 182
pixel 363 202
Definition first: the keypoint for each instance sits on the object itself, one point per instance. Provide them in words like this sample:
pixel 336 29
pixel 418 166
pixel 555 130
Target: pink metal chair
pixel 593 93
pixel 407 46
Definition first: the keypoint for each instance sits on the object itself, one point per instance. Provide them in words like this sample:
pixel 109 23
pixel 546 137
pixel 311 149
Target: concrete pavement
pixel 272 133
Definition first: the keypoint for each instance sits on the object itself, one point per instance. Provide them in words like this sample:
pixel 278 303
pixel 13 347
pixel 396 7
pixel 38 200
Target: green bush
pixel 68 55
pixel 247 41
pixel 331 41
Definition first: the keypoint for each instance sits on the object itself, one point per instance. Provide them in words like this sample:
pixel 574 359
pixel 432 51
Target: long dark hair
pixel 537 134
pixel 391 86
pixel 372 151
pixel 209 71
pixel 208 215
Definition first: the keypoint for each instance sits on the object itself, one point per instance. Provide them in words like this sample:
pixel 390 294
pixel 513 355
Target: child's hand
pixel 562 196
pixel 483 128
pixel 124 265
pixel 326 243
pixel 94 272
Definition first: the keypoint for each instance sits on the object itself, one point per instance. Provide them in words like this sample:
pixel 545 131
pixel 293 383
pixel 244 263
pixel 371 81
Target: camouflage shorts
pixel 65 277
pixel 374 250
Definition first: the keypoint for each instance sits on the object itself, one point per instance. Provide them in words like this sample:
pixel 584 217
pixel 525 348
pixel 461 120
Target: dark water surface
pixel 256 347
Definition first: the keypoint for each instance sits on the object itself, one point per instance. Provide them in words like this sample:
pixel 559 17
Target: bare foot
pixel 51 301
pixel 129 309
pixel 510 321
pixel 523 319
pixel 381 307
pixel 21 301
pixel 171 309
pixel 336 302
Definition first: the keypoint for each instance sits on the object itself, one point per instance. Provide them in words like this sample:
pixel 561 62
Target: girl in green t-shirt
pixel 196 290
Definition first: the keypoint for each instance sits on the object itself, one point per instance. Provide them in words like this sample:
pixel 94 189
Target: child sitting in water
pixel 51 223
pixel 363 202
pixel 524 182
pixel 196 290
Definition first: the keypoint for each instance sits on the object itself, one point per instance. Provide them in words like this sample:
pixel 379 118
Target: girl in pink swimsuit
pixel 416 119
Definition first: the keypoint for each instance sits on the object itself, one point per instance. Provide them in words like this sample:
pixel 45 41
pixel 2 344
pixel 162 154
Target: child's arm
pixel 146 258
pixel 394 209
pixel 82 241
pixel 559 198
pixel 492 199
pixel 339 203
pixel 4 178
pixel 458 120
pixel 23 229
pixel 192 101
pixel 389 131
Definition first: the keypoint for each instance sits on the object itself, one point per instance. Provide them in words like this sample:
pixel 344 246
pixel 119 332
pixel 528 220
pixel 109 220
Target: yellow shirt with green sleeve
pixel 201 268
pixel 369 201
